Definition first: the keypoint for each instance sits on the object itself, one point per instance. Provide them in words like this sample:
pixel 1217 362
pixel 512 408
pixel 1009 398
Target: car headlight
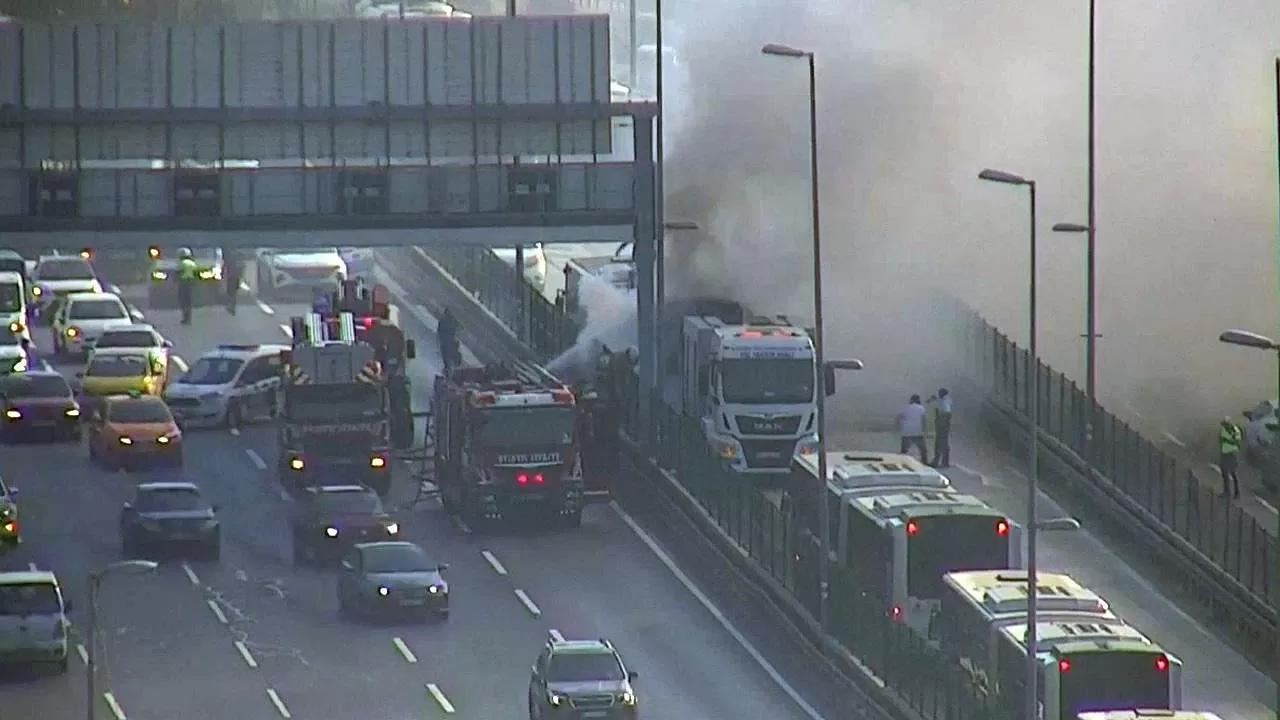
pixel 13 414
pixel 555 699
pixel 383 590
pixel 393 528
pixel 433 589
pixel 163 440
pixel 159 275
pixel 126 441
pixel 331 532
pixel 37 291
pixel 627 698
pixel 73 412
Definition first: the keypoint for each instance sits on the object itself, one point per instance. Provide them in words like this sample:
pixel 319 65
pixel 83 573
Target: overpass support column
pixel 645 233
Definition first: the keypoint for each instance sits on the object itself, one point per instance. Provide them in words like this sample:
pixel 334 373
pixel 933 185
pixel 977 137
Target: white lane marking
pixel 114 706
pixel 1174 439
pixel 191 574
pixel 245 286
pixel 493 562
pixel 725 623
pixel 284 496
pixel 280 708
pixel 242 576
pixel 217 611
pixel 180 364
pixel 525 600
pixel 244 653
pixel 1215 468
pixel 83 652
pixel 405 652
pixel 32 567
pixel 1263 502
pixel 443 701
pixel 235 431
pixel 265 308
pixel 555 635
pixel 255 458
pixel 1017 471
pixel 286 330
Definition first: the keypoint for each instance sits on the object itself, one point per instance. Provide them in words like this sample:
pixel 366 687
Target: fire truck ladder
pixel 311 329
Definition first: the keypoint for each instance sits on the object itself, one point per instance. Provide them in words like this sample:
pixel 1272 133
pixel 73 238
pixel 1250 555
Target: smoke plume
pixel 913 100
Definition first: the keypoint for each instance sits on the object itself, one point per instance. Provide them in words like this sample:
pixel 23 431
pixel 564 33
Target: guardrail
pixel 1094 460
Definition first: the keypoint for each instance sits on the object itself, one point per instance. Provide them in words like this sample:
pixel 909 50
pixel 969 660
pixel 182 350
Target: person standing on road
pixel 1230 438
pixel 911 428
pixel 942 428
pixel 233 270
pixel 188 273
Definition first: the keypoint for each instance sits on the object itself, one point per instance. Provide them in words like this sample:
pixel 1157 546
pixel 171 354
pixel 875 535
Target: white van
pixel 33 620
pixel 13 304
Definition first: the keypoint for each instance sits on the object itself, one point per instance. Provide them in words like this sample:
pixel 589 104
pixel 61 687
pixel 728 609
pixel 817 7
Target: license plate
pixel 413 602
pixel 595 713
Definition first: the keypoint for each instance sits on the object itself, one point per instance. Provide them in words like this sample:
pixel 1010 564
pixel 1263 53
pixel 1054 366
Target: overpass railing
pixel 1095 463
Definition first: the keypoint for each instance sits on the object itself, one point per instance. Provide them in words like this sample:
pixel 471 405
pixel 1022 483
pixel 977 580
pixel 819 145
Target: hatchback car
pixel 119 371
pixel 169 516
pixel 81 318
pixel 39 402
pixel 33 620
pixel 128 431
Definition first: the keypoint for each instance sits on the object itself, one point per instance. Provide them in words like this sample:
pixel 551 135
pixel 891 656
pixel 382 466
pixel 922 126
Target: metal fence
pixel 1158 489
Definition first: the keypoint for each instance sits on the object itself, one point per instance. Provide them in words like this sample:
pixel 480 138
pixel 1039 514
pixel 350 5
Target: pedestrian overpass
pixel 497 131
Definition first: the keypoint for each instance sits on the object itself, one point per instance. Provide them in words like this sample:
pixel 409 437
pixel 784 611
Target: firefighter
pixel 188 275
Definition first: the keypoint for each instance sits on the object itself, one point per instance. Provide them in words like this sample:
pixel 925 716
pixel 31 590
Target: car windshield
pixel 350 503
pixel 169 500
pixel 104 309
pixel 68 269
pixel 213 371
pixel 758 381
pixel 117 366
pixel 584 667
pixel 397 558
pixel 16 387
pixel 10 297
pixel 127 339
pixel 138 411
pixel 38 598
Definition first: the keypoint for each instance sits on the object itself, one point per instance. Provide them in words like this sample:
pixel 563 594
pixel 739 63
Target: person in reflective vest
pixel 1230 438
pixel 188 274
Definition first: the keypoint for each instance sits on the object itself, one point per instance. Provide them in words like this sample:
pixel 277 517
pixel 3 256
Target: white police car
pixel 230 385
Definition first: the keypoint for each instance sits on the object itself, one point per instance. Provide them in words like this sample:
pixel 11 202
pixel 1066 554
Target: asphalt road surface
pixel 253 637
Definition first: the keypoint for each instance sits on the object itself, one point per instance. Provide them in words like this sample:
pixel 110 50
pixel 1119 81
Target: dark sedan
pixel 39 402
pixel 329 519
pixel 170 516
pixel 391 578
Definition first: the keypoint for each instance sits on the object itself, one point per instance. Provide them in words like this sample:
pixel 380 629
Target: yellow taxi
pixel 122 370
pixel 134 430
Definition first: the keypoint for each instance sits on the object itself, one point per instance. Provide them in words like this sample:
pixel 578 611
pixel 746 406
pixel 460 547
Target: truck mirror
pixel 829 380
pixel 410 349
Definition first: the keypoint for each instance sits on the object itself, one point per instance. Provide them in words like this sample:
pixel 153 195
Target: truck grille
pixel 768 453
pixel 758 425
pixel 592 702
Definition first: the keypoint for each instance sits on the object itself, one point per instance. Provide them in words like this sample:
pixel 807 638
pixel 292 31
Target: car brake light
pixel 11 527
pixel 1162 664
pixel 1064 665
pixel 1002 528
pixel 368 323
pixel 86 254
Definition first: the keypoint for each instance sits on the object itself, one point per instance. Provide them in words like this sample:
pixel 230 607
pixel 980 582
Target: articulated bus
pixel 900 545
pixel 1148 715
pixel 978 605
pixel 1085 667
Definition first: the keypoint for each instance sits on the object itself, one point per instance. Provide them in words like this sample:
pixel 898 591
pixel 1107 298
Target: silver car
pixel 33 620
pixel 299 272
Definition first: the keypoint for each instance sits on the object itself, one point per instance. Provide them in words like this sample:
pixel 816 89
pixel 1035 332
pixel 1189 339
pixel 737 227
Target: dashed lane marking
pixel 441 700
pixel 280 706
pixel 493 562
pixel 244 653
pixel 1174 439
pixel 235 431
pixel 405 652
pixel 724 622
pixel 32 567
pixel 286 330
pixel 217 611
pixel 83 652
pixel 255 458
pixel 180 364
pixel 555 635
pixel 114 706
pixel 525 600
pixel 191 574
pixel 265 308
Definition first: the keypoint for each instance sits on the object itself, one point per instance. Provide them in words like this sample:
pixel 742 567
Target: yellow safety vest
pixel 1230 440
pixel 187 270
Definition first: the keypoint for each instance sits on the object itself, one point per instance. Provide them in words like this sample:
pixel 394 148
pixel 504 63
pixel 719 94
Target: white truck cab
pixel 754 386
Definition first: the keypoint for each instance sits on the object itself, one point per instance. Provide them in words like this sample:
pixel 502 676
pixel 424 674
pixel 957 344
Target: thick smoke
pixel 914 99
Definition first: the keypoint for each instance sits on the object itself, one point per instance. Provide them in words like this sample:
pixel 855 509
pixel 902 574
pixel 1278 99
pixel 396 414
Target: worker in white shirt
pixel 911 428
pixel 941 428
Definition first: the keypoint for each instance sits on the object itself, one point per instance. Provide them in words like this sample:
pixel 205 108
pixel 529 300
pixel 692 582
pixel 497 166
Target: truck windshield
pixel 552 425
pixel 757 381
pixel 324 402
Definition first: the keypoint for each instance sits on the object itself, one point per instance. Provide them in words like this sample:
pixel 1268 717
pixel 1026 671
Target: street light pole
pixel 91 642
pixel 1033 452
pixel 824 520
pixel 1091 272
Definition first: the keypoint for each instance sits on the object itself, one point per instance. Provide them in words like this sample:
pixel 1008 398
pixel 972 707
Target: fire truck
pixel 506 444
pixel 335 422
pixel 377 323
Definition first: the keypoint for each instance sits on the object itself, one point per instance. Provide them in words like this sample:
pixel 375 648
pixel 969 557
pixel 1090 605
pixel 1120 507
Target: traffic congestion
pixel 313 591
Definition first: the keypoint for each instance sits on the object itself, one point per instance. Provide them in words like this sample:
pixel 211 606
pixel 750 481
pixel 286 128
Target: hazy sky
pixel 916 97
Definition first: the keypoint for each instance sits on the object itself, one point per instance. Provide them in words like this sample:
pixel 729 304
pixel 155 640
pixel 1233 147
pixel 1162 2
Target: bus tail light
pixel 913 527
pixel 1002 528
pixel 896 613
pixel 1064 665
pixel 1162 663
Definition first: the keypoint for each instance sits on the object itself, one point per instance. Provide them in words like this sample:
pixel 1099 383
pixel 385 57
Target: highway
pixel 253 637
